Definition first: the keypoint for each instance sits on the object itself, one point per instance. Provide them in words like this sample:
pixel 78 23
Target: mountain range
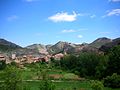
pixel 100 44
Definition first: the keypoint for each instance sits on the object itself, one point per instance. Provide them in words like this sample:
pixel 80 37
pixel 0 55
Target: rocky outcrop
pixel 109 45
pixel 38 47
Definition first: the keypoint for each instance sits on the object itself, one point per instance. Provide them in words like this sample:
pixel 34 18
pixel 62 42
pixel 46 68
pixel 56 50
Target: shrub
pixel 46 85
pixel 2 64
pixel 97 85
pixel 112 81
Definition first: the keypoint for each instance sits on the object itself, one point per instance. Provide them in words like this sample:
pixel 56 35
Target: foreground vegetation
pixel 86 71
pixel 28 80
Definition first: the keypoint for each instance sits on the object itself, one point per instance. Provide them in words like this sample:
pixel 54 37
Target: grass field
pixel 61 79
pixel 65 85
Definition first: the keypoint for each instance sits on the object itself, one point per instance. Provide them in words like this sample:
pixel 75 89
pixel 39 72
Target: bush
pixel 97 85
pixel 2 64
pixel 112 81
pixel 46 85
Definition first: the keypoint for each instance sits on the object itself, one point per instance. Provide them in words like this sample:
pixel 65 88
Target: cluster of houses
pixel 2 57
pixel 22 59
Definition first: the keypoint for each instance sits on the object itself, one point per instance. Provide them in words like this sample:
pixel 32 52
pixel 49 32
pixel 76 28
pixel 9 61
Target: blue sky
pixel 25 22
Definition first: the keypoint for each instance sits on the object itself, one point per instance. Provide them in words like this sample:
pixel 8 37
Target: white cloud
pixel 64 16
pixel 80 36
pixel 11 18
pixel 114 0
pixel 114 12
pixel 72 30
pixel 68 31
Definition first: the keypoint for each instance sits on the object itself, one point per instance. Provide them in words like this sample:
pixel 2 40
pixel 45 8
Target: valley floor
pixel 65 85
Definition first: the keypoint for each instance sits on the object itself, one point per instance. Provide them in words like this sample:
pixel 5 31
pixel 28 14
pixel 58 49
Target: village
pixel 29 58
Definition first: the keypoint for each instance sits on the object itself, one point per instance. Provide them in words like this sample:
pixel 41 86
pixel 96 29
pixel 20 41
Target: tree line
pixel 105 67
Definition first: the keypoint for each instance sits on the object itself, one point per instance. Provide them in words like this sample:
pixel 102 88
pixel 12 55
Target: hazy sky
pixel 25 22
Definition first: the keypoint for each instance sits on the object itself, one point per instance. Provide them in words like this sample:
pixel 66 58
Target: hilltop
pixel 100 44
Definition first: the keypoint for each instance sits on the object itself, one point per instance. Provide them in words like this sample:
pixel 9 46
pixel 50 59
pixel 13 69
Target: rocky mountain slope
pixel 109 45
pixel 61 47
pixel 100 44
pixel 38 47
pixel 8 43
pixel 7 46
pixel 95 45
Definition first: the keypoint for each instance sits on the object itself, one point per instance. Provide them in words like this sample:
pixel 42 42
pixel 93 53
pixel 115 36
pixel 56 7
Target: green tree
pixel 92 65
pixel 12 78
pixel 89 65
pixel 54 63
pixel 112 81
pixel 45 83
pixel 68 62
pixel 2 64
pixel 97 85
pixel 114 61
pixel 101 67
